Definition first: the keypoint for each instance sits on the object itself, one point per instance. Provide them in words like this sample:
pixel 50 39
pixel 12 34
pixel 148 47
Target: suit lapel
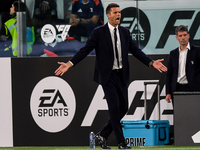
pixel 188 58
pixel 121 39
pixel 188 55
pixel 108 36
pixel 177 59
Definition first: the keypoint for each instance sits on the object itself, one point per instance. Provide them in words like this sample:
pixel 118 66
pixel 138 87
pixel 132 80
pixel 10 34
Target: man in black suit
pixel 183 65
pixel 112 43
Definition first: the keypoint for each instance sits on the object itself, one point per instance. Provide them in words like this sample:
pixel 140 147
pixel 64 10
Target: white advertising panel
pixel 155 26
pixel 6 130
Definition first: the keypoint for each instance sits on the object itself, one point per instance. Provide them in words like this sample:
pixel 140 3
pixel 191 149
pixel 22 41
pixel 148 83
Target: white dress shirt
pixel 182 79
pixel 115 65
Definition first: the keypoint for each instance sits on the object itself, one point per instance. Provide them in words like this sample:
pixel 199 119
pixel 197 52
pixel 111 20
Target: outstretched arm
pixel 63 68
pixel 157 64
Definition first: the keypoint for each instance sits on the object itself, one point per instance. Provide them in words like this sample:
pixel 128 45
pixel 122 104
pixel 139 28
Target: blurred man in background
pixel 183 65
pixel 85 16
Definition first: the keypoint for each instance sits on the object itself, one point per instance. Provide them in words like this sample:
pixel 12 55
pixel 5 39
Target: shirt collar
pixel 187 47
pixel 111 27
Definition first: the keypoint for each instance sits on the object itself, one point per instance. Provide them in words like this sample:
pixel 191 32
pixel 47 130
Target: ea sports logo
pixel 52 104
pixel 48 33
pixel 139 27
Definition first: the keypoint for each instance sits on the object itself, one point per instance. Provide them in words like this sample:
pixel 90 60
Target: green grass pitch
pixel 167 147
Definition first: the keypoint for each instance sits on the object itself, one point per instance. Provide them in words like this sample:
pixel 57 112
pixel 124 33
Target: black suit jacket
pixel 192 69
pixel 101 41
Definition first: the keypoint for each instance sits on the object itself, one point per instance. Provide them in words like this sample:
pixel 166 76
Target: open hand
pixel 157 64
pixel 63 68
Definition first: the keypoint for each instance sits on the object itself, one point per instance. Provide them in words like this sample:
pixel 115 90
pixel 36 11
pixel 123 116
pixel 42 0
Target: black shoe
pixel 102 141
pixel 123 145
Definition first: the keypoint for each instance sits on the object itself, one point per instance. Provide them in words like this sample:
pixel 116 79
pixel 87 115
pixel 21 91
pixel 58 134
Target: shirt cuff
pixel 71 63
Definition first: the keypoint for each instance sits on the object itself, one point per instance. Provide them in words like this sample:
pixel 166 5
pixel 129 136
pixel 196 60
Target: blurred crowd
pixel 80 18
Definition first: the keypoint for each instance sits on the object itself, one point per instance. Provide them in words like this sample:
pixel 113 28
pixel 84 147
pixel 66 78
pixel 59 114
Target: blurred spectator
pixel 42 11
pixel 85 16
pixel 9 32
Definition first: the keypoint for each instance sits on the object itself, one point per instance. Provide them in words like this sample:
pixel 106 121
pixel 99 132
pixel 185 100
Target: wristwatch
pixel 151 63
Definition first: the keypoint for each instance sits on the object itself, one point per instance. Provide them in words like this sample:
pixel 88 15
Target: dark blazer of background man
pixel 113 78
pixel 190 80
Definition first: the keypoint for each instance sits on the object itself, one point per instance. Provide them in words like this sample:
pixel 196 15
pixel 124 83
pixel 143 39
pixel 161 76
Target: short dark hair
pixel 19 6
pixel 111 5
pixel 181 28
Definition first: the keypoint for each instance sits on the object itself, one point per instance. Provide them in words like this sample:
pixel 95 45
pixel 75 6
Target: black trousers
pixel 116 93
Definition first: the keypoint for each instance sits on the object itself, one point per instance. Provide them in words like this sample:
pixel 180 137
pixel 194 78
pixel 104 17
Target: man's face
pixel 114 16
pixel 183 37
pixel 12 10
